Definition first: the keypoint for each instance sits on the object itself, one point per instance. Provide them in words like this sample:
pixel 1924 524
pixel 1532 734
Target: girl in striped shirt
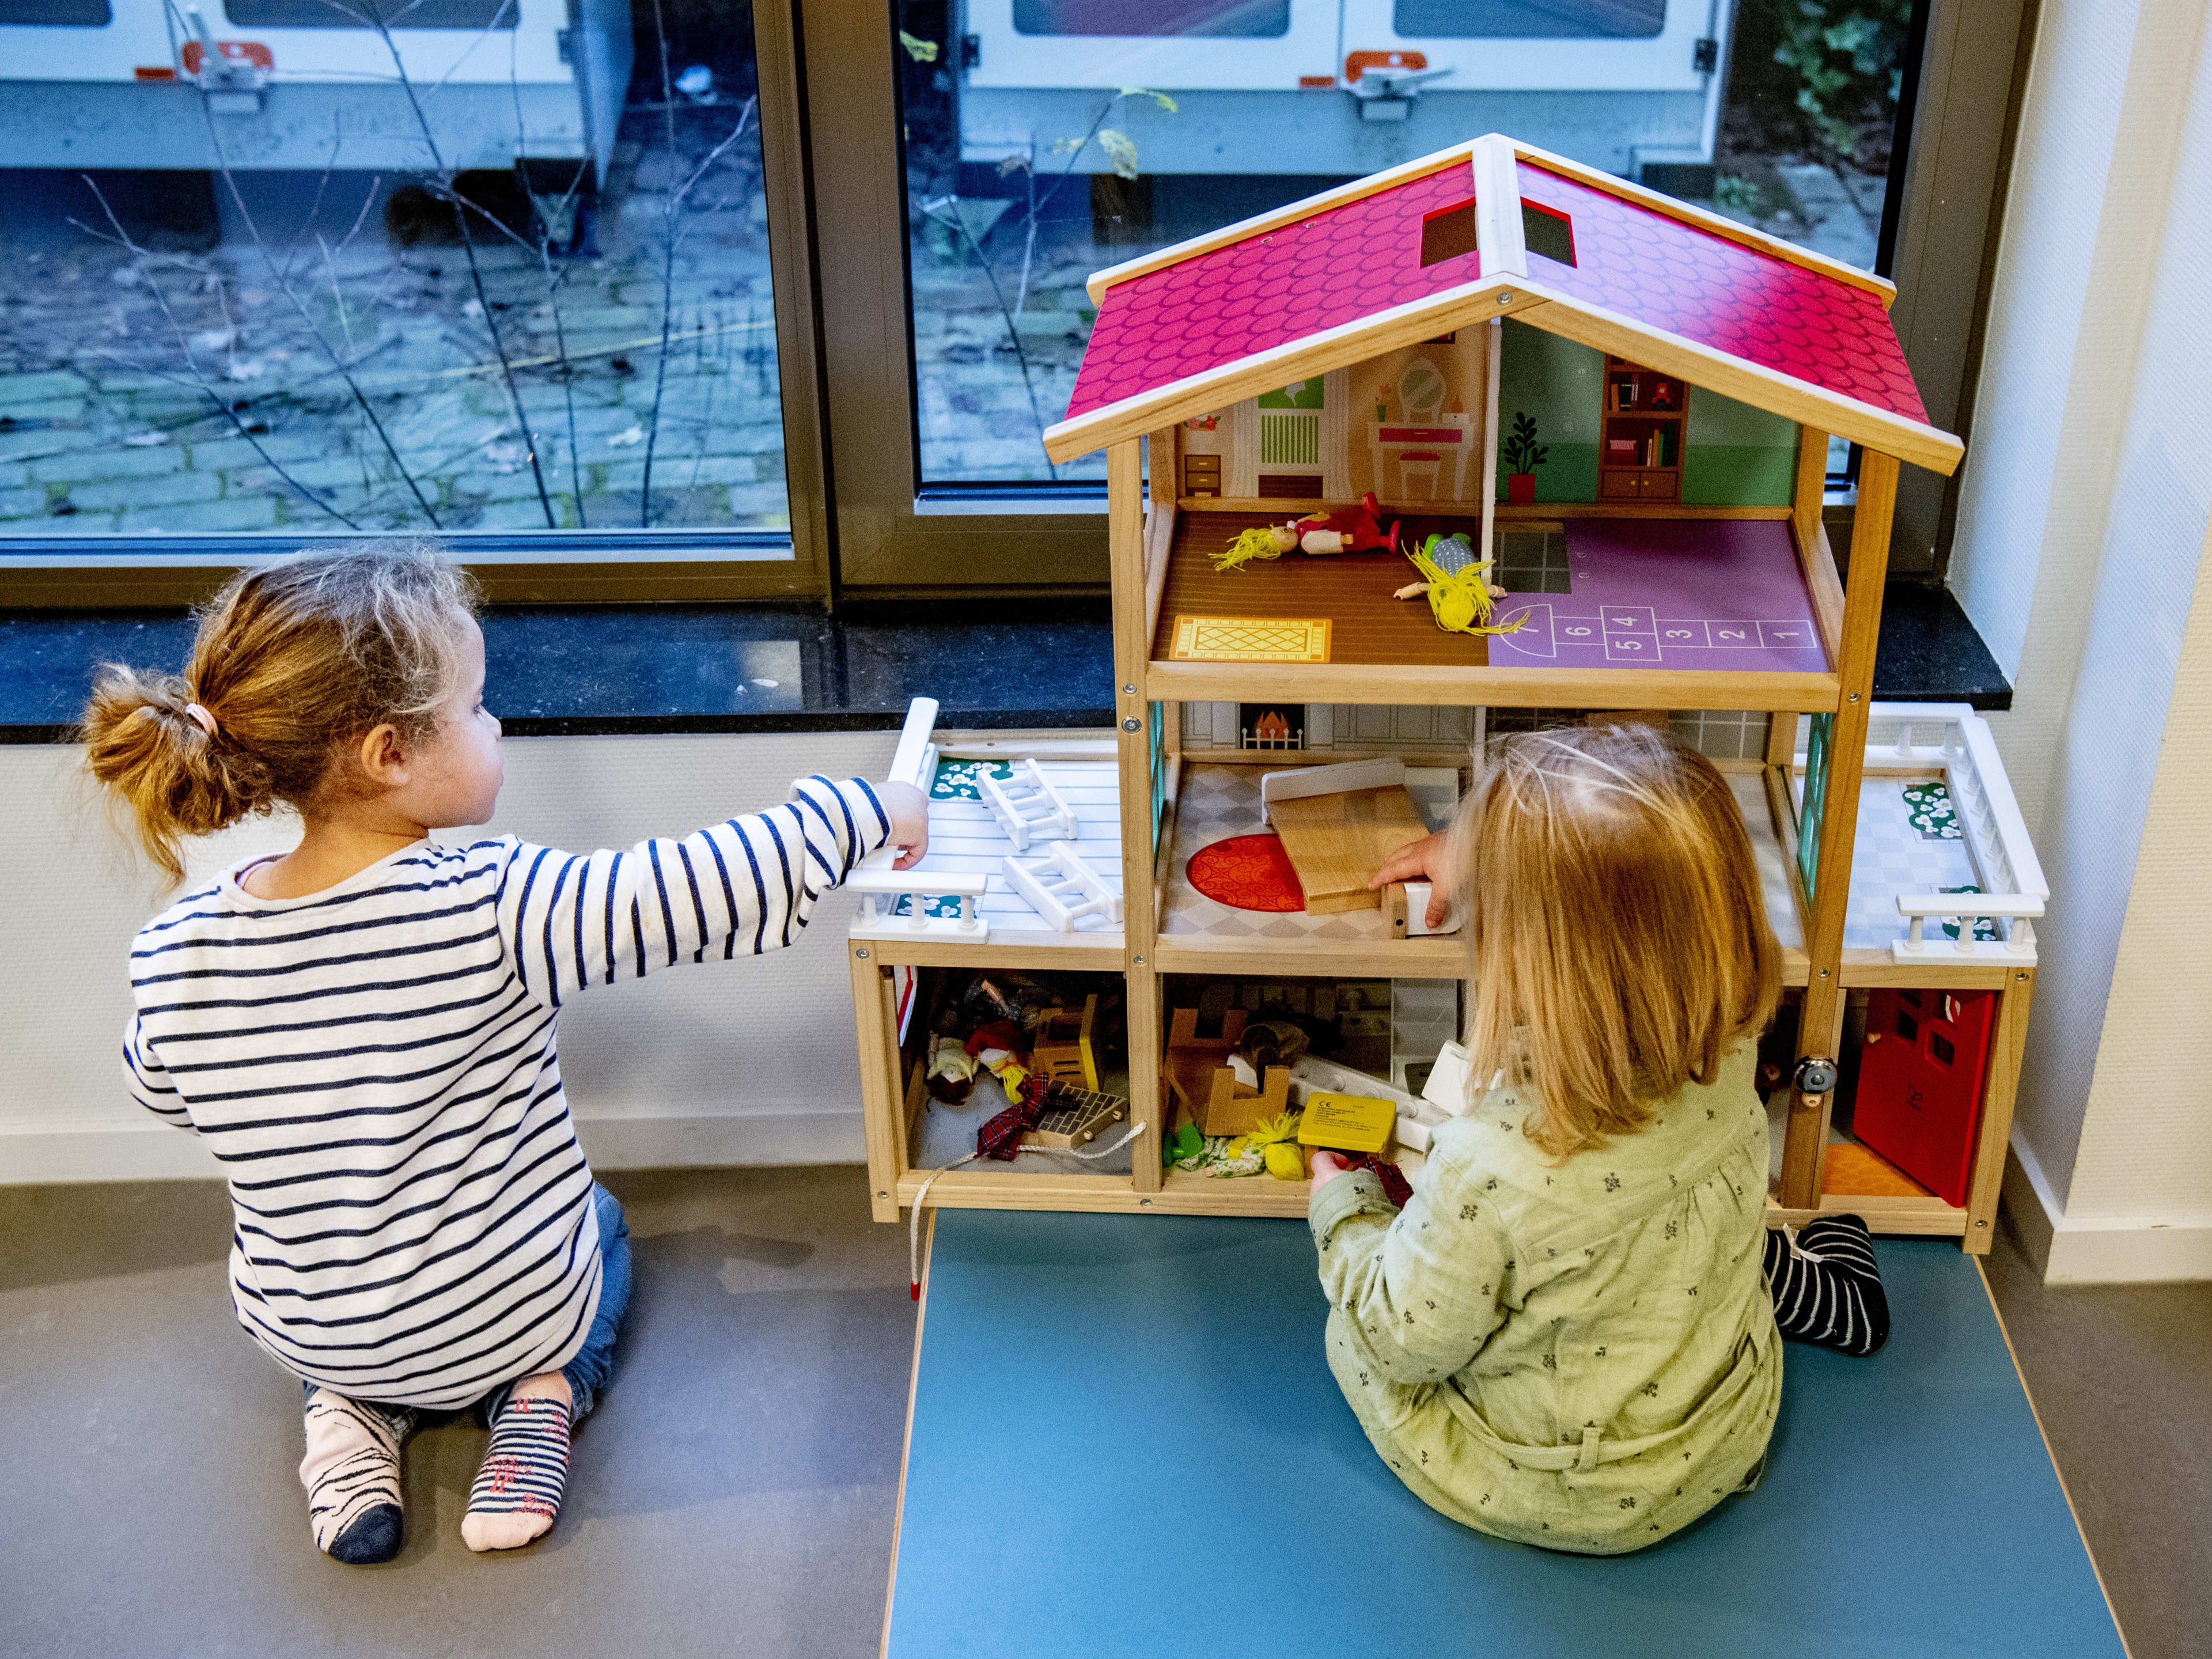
pixel 363 1029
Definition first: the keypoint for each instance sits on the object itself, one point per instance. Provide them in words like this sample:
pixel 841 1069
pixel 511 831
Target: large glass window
pixel 385 266
pixel 1045 139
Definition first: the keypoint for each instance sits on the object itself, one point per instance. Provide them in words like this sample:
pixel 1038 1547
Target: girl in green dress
pixel 1566 1338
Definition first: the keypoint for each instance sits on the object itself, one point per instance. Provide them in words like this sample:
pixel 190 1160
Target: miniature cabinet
pixel 1641 454
pixel 1376 348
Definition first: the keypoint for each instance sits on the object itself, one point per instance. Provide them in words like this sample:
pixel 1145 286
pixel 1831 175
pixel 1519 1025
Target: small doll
pixel 1460 596
pixel 1361 529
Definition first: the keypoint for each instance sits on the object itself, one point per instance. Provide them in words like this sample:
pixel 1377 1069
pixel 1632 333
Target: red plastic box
pixel 1920 1083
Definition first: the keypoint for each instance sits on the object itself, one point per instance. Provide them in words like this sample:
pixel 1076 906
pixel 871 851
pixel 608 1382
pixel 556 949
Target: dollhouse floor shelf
pixel 1199 934
pixel 1383 649
pixel 965 839
pixel 1169 1383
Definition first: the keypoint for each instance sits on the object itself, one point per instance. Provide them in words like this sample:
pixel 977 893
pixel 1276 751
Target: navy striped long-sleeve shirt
pixel 375 1066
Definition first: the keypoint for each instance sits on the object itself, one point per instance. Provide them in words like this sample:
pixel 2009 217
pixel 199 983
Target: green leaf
pixel 1160 98
pixel 921 50
pixel 1120 151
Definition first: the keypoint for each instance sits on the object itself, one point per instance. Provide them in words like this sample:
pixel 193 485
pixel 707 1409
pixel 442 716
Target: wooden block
pixel 1337 842
pixel 1231 1109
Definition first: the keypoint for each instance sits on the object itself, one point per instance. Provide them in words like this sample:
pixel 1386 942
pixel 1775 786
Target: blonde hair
pixel 1619 937
pixel 291 661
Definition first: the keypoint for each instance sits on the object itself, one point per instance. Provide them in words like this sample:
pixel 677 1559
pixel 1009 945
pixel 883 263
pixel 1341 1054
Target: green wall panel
pixel 1734 455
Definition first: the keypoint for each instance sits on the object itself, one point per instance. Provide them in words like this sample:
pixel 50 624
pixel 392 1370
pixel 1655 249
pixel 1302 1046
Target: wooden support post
pixel 1780 740
pixel 1820 1026
pixel 1496 337
pixel 2008 1041
pixel 1133 645
pixel 882 1102
pixel 1164 464
pixel 1811 485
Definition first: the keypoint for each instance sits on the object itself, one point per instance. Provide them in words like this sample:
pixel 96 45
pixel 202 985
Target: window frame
pixel 516 566
pixel 861 523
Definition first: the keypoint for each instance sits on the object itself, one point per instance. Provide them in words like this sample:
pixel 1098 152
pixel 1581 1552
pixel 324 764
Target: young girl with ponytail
pixel 363 1029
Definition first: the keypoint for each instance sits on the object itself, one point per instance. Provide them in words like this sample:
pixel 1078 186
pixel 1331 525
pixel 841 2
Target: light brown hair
pixel 291 661
pixel 1619 937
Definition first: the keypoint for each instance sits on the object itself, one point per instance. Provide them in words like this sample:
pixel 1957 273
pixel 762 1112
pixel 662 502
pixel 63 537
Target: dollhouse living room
pixel 1405 782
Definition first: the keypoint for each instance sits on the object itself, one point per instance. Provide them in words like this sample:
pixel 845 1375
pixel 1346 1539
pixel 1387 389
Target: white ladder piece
pixel 1027 806
pixel 881 890
pixel 1062 889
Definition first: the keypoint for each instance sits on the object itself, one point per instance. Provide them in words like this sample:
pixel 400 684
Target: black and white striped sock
pixel 517 1489
pixel 1826 1286
pixel 351 1473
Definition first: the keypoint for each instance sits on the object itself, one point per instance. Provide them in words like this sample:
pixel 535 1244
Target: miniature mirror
pixel 1421 390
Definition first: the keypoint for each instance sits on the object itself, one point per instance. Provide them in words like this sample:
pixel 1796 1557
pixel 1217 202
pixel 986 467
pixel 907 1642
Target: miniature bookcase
pixel 1640 455
pixel 1344 350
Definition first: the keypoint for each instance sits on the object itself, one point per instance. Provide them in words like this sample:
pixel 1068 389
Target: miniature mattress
pixel 1125 1441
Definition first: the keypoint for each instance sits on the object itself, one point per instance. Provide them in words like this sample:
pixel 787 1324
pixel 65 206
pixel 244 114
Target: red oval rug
pixel 1247 872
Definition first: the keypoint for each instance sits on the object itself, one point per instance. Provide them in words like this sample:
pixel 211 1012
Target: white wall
pixel 745 1062
pixel 2084 510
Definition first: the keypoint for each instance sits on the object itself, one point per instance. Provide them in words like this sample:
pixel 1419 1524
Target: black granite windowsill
pixel 584 671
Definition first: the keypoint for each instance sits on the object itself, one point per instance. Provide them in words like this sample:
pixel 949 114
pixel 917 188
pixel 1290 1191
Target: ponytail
pixel 292 662
pixel 176 778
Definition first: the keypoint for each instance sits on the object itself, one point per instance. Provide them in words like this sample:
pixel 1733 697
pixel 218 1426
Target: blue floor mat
pixel 1125 1441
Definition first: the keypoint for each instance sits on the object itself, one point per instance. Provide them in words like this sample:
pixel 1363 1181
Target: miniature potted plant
pixel 1523 457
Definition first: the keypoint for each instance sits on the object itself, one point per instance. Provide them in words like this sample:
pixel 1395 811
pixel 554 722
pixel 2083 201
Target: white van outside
pixel 1343 86
pixel 308 84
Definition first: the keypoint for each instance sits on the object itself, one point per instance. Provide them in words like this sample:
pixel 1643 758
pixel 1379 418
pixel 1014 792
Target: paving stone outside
pixel 112 420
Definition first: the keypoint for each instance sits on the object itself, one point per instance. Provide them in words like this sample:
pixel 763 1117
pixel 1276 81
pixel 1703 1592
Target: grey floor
pixel 734 1494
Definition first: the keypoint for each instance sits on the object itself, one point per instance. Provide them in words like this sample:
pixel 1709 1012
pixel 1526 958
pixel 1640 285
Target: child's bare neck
pixel 332 849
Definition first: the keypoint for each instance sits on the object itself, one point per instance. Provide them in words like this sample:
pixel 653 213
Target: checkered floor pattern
pixel 1218 802
pixel 1889 858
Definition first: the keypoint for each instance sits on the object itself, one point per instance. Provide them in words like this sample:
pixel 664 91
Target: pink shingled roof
pixel 1671 276
pixel 1344 263
pixel 1233 302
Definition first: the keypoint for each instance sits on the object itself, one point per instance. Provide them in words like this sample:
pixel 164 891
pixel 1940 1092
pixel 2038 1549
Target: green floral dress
pixel 1580 1354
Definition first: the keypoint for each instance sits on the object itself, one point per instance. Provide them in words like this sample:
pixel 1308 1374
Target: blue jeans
pixel 587 1373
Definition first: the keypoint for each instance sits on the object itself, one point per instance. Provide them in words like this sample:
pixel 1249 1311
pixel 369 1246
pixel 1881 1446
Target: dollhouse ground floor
pixel 1126 1441
pixel 738 1490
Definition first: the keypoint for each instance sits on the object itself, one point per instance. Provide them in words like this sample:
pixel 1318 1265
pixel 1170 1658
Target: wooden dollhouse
pixel 1683 376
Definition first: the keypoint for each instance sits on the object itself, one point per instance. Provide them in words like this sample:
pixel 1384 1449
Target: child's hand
pixel 1426 860
pixel 1327 1166
pixel 910 810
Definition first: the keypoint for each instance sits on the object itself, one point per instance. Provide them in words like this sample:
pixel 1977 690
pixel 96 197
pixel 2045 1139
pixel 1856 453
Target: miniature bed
pixel 1909 1508
pixel 1329 375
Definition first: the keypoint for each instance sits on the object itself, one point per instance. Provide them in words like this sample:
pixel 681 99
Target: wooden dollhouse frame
pixel 1331 282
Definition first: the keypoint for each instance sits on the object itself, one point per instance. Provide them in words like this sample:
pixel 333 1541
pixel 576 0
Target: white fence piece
pixel 881 890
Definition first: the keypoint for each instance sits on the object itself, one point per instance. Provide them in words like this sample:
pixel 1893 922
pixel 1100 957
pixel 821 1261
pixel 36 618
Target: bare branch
pixel 223 404
pixel 285 288
pixel 956 223
pixel 475 278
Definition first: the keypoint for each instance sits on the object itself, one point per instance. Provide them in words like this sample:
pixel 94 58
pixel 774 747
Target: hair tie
pixel 206 721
